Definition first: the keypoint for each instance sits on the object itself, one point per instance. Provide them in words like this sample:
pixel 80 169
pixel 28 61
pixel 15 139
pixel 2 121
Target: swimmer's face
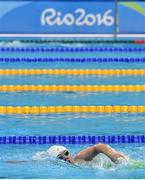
pixel 66 156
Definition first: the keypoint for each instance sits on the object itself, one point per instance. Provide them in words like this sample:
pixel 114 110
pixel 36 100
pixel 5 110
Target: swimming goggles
pixel 65 153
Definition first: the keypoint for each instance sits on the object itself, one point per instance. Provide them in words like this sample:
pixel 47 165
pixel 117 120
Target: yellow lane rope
pixel 67 88
pixel 109 72
pixel 70 109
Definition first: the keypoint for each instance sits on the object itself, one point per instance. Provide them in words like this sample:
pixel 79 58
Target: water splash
pixel 43 156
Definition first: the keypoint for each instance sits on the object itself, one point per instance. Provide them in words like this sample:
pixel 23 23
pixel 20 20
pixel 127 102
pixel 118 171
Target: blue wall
pixel 67 17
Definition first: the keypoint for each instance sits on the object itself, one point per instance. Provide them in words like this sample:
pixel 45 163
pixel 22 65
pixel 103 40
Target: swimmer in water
pixel 61 152
pixel 87 154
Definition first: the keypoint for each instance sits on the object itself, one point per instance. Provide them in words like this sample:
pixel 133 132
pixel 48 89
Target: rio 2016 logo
pixel 51 17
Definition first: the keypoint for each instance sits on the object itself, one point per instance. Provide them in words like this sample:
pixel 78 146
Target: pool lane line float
pixel 75 88
pixel 139 41
pixel 83 41
pixel 80 139
pixel 70 109
pixel 74 60
pixel 74 72
pixel 70 49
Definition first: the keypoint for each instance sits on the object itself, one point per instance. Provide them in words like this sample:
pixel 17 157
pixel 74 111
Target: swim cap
pixel 54 151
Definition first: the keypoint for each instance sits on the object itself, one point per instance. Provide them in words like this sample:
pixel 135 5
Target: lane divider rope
pixel 105 72
pixel 70 109
pixel 68 88
pixel 86 41
pixel 66 41
pixel 72 60
pixel 139 41
pixel 69 49
pixel 81 139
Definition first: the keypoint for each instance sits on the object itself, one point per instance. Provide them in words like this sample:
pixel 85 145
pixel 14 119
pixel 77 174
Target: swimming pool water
pixel 70 123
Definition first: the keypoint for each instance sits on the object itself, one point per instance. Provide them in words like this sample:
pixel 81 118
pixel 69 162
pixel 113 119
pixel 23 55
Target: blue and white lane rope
pixel 70 49
pixel 82 139
pixel 126 60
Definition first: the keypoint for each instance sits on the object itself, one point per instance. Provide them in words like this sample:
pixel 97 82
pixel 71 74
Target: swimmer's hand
pixel 117 155
pixel 118 158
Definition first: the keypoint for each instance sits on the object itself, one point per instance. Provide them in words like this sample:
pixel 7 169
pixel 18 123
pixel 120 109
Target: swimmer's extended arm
pixel 89 153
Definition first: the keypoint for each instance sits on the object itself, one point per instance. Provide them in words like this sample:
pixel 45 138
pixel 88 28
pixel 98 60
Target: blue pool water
pixel 70 123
